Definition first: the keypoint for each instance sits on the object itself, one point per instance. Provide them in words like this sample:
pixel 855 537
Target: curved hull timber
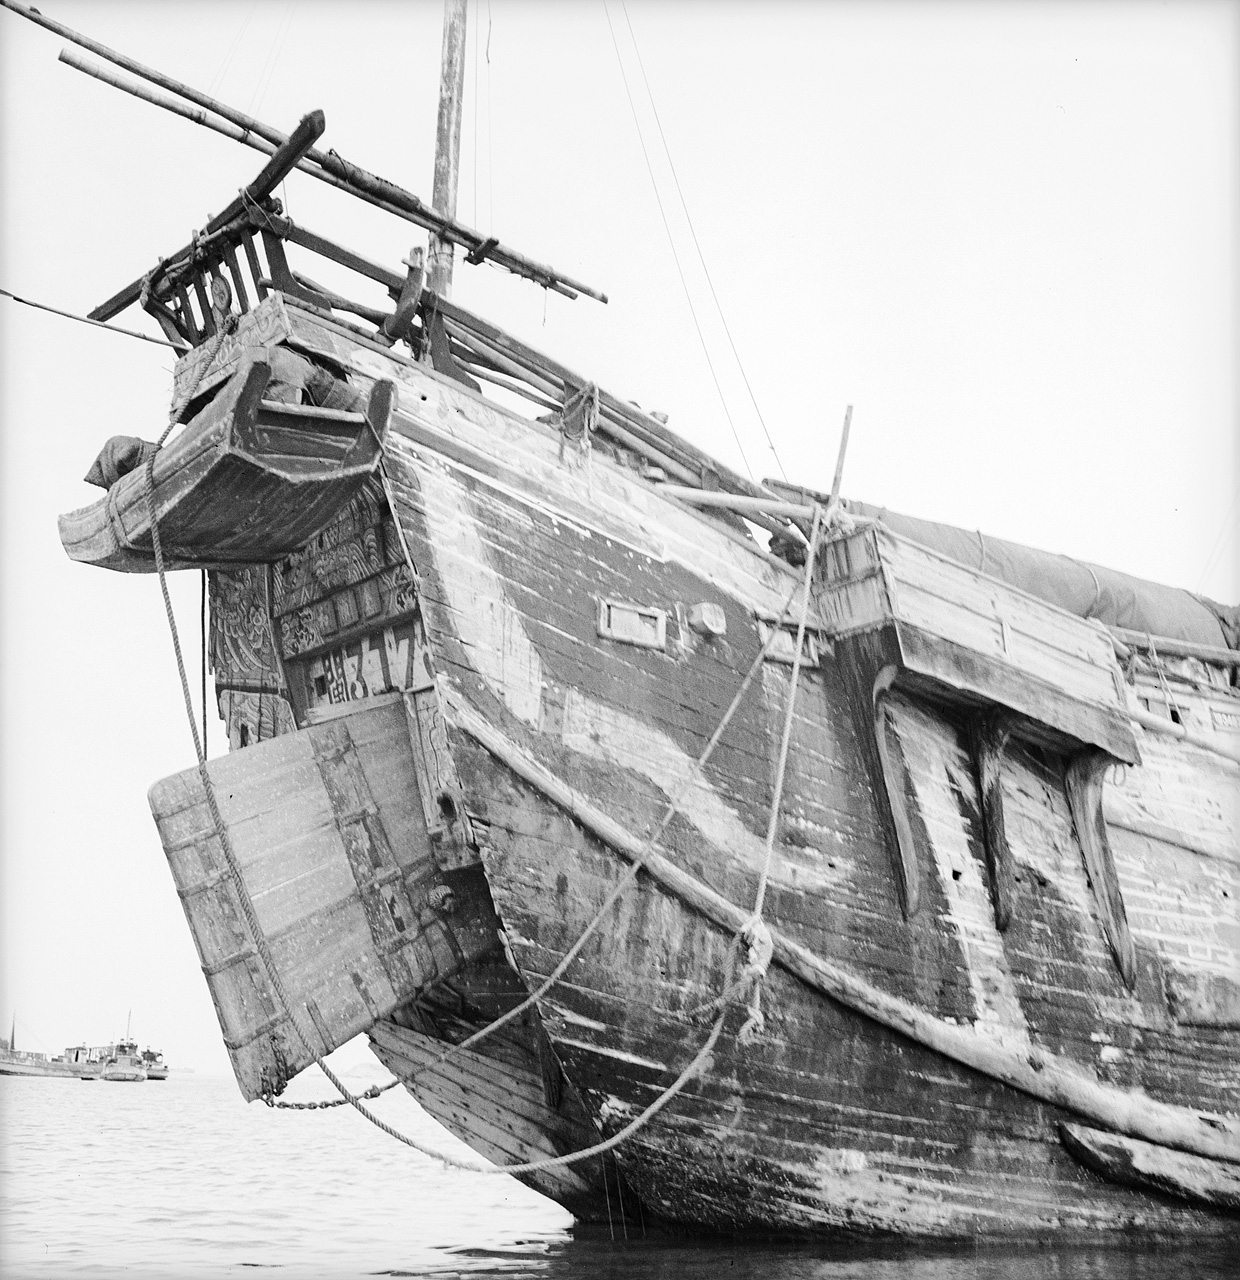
pixel 247 480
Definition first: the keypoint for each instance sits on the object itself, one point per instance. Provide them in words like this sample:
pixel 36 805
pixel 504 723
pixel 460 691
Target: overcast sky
pixel 1006 233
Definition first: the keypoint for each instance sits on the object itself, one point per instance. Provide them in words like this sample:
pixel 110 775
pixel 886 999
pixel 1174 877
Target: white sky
pixel 1007 233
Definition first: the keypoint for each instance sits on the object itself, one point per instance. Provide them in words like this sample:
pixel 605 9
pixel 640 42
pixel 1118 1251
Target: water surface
pixel 182 1179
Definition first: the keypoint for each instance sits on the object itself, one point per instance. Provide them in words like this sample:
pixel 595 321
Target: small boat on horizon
pixel 125 1066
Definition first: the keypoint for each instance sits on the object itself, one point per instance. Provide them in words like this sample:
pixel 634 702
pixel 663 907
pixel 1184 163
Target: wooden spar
pixel 327 167
pixel 839 460
pixel 283 159
pixel 1166 647
pixel 1034 1071
pixel 1156 724
pixel 736 502
pixel 448 140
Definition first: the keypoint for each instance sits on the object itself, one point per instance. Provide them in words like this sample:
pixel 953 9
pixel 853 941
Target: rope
pixel 1173 707
pixel 179 347
pixel 756 936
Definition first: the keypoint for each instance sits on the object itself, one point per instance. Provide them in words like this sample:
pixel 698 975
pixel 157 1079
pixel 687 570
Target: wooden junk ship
pixel 885 875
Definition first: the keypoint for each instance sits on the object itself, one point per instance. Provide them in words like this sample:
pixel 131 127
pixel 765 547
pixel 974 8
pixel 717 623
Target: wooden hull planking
pixel 624 723
pixel 508 1099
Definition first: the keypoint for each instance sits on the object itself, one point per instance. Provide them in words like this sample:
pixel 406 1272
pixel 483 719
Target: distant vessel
pixel 153 1063
pixel 125 1066
pixel 120 1061
pixel 76 1063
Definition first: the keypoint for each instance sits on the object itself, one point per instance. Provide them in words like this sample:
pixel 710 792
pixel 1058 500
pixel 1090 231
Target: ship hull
pixel 920 1051
pixel 828 1122
pixel 50 1070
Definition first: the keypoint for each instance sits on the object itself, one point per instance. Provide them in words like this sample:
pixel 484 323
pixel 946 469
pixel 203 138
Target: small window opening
pixel 632 624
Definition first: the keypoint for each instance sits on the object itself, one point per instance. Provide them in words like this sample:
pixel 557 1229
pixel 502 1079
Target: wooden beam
pixel 448 141
pixel 284 159
pixel 988 735
pixel 738 502
pixel 1167 647
pixel 1152 1168
pixel 1083 781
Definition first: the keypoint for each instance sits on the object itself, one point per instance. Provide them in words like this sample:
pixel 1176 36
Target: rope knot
pixel 759 948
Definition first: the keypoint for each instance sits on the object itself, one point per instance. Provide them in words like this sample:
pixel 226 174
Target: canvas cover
pixel 1088 590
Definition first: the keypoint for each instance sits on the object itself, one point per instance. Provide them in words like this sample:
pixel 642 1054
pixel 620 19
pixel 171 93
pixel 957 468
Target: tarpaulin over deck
pixel 1088 590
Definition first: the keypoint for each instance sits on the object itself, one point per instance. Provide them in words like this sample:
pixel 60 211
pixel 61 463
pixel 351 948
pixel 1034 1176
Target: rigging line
pixel 273 56
pixel 1220 541
pixel 179 347
pixel 490 170
pixel 675 256
pixel 476 98
pixel 218 79
pixel 202 623
pixel 701 257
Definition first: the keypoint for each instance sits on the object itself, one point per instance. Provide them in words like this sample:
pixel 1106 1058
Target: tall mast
pixel 448 138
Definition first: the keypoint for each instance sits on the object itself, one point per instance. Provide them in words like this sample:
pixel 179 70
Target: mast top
pixel 448 139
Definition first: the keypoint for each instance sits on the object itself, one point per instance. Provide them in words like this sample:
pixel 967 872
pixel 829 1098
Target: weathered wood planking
pixel 326 826
pixel 834 1123
pixel 508 1098
pixel 522 1077
pixel 971 637
pixel 1140 1164
pixel 624 724
pixel 246 480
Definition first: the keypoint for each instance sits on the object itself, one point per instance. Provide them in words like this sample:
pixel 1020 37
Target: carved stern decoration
pixel 909 621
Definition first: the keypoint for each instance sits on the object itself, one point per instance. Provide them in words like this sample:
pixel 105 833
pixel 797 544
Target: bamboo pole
pixel 1037 1072
pixel 325 166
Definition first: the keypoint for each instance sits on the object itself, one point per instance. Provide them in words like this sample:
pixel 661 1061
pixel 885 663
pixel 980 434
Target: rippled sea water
pixel 181 1178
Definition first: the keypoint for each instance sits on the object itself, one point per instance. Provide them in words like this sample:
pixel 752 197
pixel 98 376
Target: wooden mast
pixel 448 139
